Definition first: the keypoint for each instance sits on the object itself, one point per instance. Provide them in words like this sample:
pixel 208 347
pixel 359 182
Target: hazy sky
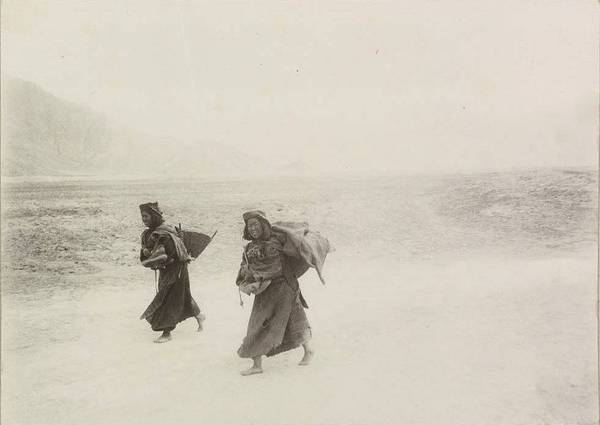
pixel 397 85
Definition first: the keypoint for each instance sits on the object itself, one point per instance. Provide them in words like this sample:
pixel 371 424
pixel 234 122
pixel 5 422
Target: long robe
pixel 173 302
pixel 278 321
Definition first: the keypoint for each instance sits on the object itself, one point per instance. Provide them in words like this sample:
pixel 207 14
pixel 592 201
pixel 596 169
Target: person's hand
pixel 146 252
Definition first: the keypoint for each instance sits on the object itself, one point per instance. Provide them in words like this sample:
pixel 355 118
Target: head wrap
pixel 155 212
pixel 151 207
pixel 260 216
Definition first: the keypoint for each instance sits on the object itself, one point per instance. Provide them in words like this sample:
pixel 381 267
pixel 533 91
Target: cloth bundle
pixel 308 248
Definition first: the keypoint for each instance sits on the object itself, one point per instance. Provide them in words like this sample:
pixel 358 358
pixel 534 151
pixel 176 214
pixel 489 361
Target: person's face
pixel 146 218
pixel 255 228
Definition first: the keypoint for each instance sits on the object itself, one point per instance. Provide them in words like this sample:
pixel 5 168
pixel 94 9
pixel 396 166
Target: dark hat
pixel 151 207
pixel 254 214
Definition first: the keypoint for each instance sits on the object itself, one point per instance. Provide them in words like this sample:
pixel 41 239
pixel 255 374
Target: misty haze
pixel 448 152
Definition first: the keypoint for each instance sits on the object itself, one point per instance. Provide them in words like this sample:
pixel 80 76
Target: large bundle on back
pixel 195 242
pixel 188 245
pixel 305 247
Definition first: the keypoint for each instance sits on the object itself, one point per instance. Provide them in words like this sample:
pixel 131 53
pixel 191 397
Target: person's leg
pixel 256 367
pixel 200 318
pixel 165 337
pixel 308 354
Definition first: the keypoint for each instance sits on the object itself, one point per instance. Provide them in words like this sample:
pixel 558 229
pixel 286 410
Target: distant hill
pixel 43 135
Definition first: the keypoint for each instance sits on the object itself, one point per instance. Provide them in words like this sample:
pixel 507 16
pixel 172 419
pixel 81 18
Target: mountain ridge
pixel 45 135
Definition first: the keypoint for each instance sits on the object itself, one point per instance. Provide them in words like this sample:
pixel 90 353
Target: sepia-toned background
pixel 447 150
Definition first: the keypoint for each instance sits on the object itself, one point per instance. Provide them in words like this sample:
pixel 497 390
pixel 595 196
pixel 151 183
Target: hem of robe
pixel 293 327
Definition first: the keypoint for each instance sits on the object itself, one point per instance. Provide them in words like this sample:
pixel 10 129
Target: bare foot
pixel 252 371
pixel 308 356
pixel 200 319
pixel 163 338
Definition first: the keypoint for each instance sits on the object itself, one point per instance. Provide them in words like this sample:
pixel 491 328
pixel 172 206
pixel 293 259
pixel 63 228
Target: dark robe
pixel 277 322
pixel 173 302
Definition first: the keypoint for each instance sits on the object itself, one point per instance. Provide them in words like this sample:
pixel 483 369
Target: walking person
pixel 163 250
pixel 272 261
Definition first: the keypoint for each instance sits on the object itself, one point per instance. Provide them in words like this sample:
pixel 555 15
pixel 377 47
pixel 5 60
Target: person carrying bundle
pixel 163 249
pixel 272 262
